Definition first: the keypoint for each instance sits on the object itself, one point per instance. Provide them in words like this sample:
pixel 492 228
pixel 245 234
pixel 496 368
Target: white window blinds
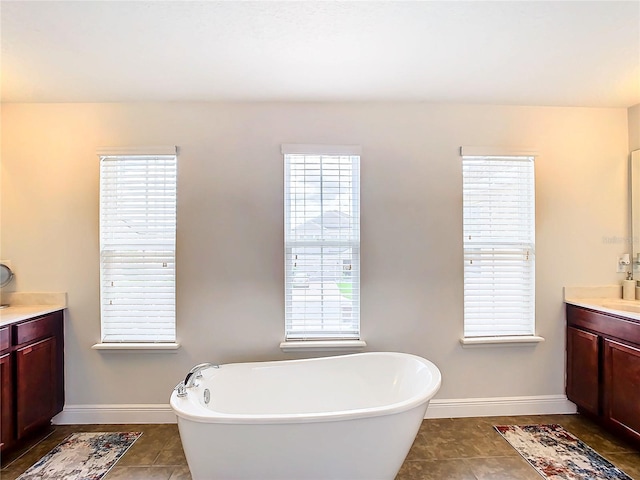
pixel 322 242
pixel 499 245
pixel 137 245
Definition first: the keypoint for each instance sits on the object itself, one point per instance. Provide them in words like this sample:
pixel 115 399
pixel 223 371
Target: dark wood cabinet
pixel 603 368
pixel 621 399
pixel 32 376
pixel 582 369
pixel 36 385
pixel 6 401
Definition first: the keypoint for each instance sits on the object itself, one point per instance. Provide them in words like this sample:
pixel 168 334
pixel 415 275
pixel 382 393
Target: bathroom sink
pixel 626 307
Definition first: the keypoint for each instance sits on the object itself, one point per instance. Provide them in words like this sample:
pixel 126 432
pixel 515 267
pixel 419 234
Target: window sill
pixel 323 345
pixel 140 347
pixel 511 341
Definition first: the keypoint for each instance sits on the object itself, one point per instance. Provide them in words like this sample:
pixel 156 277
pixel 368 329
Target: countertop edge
pixel 19 313
pixel 598 305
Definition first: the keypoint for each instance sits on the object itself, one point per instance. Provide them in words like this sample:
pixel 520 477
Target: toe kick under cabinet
pixel 32 376
pixel 603 368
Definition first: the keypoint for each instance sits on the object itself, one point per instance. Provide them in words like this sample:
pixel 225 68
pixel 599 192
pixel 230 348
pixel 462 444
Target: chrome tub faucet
pixel 190 380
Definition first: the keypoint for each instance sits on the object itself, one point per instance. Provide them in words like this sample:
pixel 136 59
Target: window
pixel 137 244
pixel 499 244
pixel 322 242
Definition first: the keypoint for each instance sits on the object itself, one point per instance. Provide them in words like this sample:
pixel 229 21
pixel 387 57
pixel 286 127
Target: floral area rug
pixel 558 455
pixel 82 456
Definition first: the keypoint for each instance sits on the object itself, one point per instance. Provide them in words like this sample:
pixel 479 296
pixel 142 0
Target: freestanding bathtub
pixel 351 417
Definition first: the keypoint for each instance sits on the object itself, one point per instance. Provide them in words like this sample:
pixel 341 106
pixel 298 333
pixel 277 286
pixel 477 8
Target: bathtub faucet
pixel 196 372
pixel 190 379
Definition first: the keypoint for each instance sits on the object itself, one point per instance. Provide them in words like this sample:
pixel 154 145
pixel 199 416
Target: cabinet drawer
pixel 42 327
pixel 4 338
pixel 604 324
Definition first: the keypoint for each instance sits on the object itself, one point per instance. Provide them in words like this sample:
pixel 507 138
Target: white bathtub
pixel 347 417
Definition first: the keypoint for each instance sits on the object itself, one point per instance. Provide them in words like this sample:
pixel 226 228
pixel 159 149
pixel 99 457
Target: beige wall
pixel 230 228
pixel 634 127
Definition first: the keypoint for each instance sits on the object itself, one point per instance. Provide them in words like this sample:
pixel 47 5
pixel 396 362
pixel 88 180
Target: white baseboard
pixel 438 408
pixel 118 413
pixel 500 406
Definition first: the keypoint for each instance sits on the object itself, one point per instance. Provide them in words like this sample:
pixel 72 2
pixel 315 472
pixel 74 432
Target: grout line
pixel 29 449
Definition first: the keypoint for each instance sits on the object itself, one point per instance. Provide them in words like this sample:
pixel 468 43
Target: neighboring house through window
pixel 322 242
pixel 137 244
pixel 499 242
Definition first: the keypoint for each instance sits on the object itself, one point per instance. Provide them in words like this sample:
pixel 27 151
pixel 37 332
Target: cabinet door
pixel 6 402
pixel 582 369
pixel 36 385
pixel 622 385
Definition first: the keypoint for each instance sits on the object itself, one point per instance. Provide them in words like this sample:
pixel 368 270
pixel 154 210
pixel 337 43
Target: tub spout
pixel 194 373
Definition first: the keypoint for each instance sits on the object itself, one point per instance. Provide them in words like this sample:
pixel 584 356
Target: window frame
pixel 496 333
pixel 295 336
pixel 154 236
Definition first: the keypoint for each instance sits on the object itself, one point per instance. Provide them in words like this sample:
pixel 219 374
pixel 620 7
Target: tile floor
pixel 445 449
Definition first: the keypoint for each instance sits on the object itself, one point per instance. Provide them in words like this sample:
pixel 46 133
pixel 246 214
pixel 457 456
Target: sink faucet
pixel 190 379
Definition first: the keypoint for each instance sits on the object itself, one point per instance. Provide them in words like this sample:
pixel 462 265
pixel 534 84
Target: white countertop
pixel 16 313
pixel 607 299
pixel 26 305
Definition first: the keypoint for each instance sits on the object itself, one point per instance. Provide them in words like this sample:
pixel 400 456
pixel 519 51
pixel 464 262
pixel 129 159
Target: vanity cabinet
pixel 621 399
pixel 583 369
pixel 603 368
pixel 32 371
pixel 36 385
pixel 6 401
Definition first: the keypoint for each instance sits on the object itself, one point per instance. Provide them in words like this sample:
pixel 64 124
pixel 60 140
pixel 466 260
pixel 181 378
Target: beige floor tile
pixel 181 473
pixel 502 468
pixel 629 463
pixel 435 470
pixel 11 473
pixel 140 473
pixel 141 454
pixel 171 456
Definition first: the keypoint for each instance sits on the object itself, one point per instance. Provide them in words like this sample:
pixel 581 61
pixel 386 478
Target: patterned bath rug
pixel 558 455
pixel 82 456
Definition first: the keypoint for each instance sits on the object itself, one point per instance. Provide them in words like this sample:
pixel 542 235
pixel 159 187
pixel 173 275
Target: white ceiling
pixel 574 53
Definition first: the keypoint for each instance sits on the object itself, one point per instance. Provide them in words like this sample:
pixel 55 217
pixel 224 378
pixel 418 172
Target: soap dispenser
pixel 629 288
